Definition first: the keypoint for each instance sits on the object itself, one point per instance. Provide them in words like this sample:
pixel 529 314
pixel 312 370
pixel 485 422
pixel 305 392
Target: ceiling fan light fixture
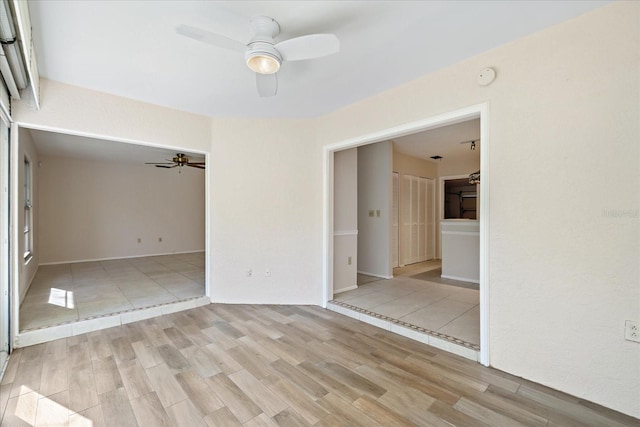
pixel 263 63
pixel 263 58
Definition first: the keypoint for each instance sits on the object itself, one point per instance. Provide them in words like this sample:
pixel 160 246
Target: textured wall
pixel 375 163
pixel 97 210
pixel 266 205
pixel 564 232
pixel 345 220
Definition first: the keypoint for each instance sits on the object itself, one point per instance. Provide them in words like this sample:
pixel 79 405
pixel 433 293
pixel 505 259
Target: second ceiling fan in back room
pixel 262 54
pixel 179 161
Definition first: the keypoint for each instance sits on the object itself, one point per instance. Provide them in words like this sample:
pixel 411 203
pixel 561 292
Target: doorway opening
pixel 419 255
pixel 112 238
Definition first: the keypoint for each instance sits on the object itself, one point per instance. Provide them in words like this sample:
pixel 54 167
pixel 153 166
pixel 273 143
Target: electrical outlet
pixel 349 261
pixel 378 213
pixel 267 272
pixel 631 331
pixel 249 273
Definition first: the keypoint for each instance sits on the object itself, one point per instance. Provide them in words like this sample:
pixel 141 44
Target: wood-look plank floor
pixel 241 365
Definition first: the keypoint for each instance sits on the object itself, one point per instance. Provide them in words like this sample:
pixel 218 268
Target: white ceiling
pixel 78 147
pixel 130 48
pixel 443 141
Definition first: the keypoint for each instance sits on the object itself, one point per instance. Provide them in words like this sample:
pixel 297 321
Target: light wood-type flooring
pixel 232 365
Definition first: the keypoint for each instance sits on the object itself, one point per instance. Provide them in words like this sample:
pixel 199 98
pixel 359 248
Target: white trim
pixel 79 327
pixel 462 222
pixel 382 276
pixel 107 137
pixel 350 288
pixel 406 332
pixel 459 278
pixel 346 233
pixel 5 236
pixel 16 257
pixel 457 116
pixel 463 233
pixel 485 285
pixel 327 227
pixel 120 257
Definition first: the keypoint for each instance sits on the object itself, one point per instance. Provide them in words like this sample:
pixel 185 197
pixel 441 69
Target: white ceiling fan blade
pixel 210 38
pixel 267 84
pixel 307 47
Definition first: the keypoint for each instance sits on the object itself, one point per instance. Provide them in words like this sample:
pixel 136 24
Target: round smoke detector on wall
pixel 486 76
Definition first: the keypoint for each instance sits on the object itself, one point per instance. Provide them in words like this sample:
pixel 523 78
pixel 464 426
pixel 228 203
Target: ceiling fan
pixel 262 54
pixel 180 160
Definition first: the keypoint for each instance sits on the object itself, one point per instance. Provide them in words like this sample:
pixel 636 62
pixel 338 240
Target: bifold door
pixel 418 219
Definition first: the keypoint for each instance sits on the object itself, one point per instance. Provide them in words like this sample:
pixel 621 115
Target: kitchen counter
pixel 461 249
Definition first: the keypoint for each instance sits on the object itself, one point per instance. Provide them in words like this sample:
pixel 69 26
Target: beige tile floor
pixel 446 309
pixel 64 293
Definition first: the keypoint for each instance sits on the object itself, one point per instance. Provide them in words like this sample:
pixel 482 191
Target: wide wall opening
pixel 401 259
pixel 109 227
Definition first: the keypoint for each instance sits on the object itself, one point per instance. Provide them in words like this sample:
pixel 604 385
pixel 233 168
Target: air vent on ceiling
pixel 436 157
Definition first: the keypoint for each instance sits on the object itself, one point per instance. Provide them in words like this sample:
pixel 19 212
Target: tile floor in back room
pixel 448 307
pixel 64 293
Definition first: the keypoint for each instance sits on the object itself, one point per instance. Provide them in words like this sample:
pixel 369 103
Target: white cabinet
pixel 461 249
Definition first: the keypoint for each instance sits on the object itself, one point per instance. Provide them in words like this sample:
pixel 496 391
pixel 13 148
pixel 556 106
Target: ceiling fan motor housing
pixel 264 29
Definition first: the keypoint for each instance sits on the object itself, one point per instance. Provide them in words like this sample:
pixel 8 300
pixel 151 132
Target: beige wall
pixel 345 220
pixel 564 110
pixel 345 196
pixel 28 269
pixel 562 127
pixel 266 205
pixel 460 166
pixel 408 165
pixel 98 210
pixel 72 109
pixel 375 163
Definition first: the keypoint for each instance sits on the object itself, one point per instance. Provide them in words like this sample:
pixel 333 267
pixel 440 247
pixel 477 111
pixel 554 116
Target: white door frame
pixel 475 111
pixel 15 279
pixel 5 265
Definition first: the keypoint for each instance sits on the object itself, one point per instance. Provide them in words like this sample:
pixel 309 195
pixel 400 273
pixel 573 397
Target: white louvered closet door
pixel 405 212
pixel 418 218
pixel 395 239
pixel 422 220
pixel 430 208
pixel 415 210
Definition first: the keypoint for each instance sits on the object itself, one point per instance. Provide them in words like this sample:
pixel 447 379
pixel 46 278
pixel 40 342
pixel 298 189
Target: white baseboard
pixel 350 288
pixel 117 258
pixel 366 273
pixel 462 279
